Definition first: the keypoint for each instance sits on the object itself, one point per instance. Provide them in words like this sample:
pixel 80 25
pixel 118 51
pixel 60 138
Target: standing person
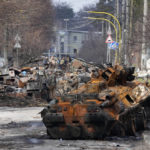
pixel 45 62
pixel 57 62
pixel 45 92
pixel 62 62
pixel 53 62
pixel 51 84
pixel 68 63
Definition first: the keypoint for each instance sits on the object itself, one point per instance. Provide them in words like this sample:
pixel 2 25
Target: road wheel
pixel 140 121
pixel 48 133
pixel 131 129
pixel 75 132
pixel 118 130
pixel 53 133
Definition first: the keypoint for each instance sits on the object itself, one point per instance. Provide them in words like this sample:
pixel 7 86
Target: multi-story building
pixel 71 41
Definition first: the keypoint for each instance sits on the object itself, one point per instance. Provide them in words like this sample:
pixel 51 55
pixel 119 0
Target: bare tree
pixel 94 49
pixel 135 41
pixel 32 20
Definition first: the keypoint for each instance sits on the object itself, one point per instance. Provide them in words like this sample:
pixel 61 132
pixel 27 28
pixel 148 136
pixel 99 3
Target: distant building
pixel 71 41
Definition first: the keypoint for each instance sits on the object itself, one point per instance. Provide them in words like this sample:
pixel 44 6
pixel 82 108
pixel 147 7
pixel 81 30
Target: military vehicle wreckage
pixel 110 104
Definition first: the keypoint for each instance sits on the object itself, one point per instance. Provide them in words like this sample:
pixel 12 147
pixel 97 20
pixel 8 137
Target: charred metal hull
pixel 146 105
pixel 108 105
pixel 93 125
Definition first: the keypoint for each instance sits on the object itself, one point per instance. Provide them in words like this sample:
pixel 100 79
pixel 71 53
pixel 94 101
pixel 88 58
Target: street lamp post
pixel 93 18
pixel 106 13
pixel 67 34
pixel 143 55
pixel 116 54
pixel 66 20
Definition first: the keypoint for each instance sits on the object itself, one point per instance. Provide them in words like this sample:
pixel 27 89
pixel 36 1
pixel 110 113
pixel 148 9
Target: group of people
pixel 55 62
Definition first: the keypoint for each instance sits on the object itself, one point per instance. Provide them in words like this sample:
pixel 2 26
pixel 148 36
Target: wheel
pixel 75 132
pixel 131 129
pixel 140 121
pixel 48 133
pixel 118 130
pixel 53 133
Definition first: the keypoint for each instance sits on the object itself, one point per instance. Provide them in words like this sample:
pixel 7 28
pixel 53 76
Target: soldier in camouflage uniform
pixel 51 84
pixel 49 87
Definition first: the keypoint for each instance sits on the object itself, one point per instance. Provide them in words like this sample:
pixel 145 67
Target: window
pixel 75 51
pixel 75 38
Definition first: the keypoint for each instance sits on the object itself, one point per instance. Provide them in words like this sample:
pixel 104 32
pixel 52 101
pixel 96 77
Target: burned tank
pixel 108 105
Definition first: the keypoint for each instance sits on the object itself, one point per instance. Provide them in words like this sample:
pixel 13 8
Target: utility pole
pixel 127 31
pixel 117 10
pixel 103 28
pixel 67 38
pixel 143 55
pixel 117 16
pixel 108 48
pixel 123 32
pixel 130 31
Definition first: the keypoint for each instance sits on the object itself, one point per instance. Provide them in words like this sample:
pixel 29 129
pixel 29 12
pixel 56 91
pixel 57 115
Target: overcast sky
pixel 77 4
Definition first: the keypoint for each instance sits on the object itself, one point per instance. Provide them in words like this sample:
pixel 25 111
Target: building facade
pixel 71 41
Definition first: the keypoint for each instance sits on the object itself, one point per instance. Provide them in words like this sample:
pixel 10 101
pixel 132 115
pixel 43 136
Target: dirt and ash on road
pixel 22 128
pixel 8 101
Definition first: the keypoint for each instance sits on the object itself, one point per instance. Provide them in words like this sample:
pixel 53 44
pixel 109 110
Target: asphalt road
pixel 22 129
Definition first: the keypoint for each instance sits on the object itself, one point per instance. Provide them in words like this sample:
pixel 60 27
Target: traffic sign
pixel 17 38
pixel 109 39
pixel 113 45
pixel 17 45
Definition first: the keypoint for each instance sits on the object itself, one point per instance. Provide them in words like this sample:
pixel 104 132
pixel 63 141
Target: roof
pixel 77 31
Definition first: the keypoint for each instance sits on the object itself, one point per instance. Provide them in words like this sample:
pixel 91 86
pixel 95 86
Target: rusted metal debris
pixel 31 81
pixel 112 103
pixel 85 102
pixel 14 83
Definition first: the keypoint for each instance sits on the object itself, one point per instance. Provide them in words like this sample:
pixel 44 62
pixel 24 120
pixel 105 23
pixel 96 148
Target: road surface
pixel 22 129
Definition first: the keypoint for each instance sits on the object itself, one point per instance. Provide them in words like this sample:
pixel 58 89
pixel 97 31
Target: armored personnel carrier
pixel 108 105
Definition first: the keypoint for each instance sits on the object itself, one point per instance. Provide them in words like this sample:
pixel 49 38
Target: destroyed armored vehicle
pixel 108 105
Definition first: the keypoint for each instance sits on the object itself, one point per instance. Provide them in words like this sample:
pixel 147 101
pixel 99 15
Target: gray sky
pixel 77 4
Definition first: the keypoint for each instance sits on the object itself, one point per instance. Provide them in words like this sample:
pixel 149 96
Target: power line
pixel 83 25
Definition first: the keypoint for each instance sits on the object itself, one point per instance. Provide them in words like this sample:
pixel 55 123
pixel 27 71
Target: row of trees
pixel 32 20
pixel 95 48
pixel 131 22
pixel 135 39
